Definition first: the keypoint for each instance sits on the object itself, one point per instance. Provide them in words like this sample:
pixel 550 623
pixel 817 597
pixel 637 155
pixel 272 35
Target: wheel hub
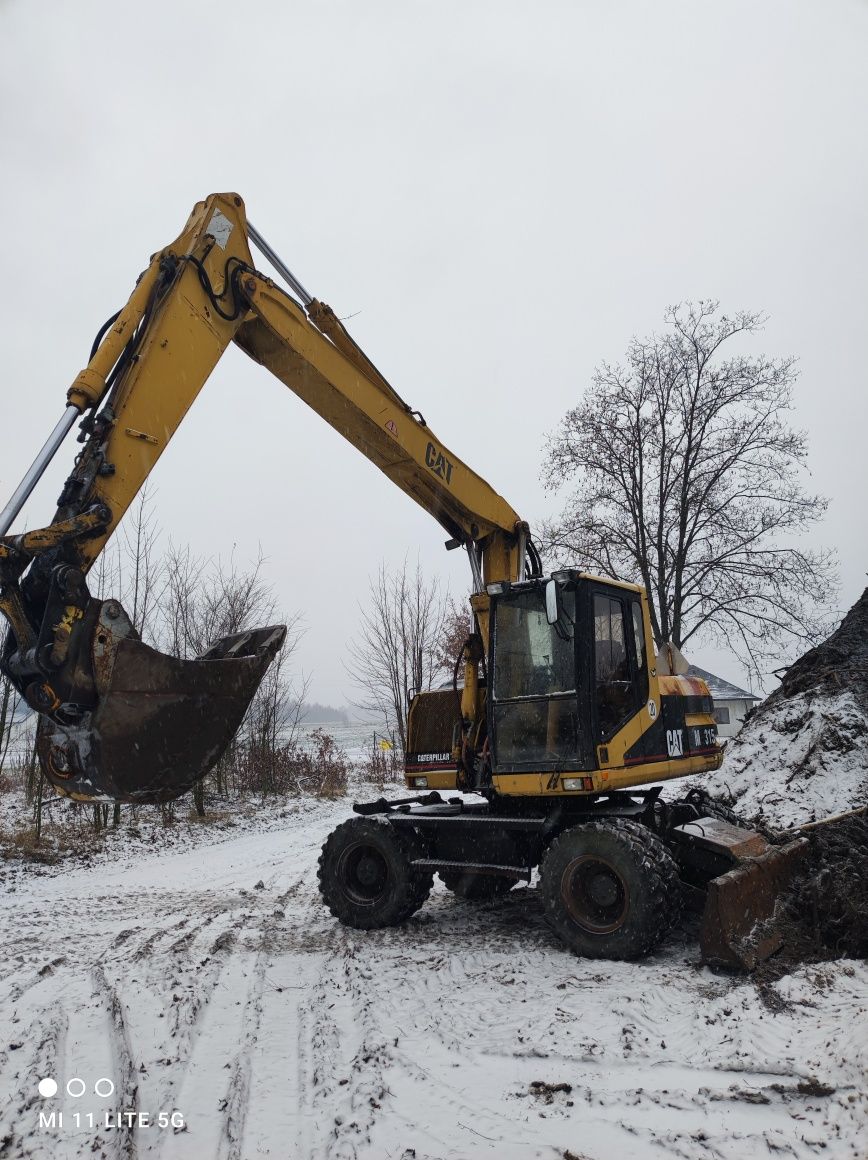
pixel 363 873
pixel 602 889
pixel 367 870
pixel 595 894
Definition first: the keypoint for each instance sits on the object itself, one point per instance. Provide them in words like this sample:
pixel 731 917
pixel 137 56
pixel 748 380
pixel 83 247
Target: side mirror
pixel 553 604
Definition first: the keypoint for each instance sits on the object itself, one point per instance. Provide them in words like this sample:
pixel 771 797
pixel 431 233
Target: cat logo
pixel 675 742
pixel 438 463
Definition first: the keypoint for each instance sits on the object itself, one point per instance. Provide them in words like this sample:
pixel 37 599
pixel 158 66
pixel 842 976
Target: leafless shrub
pixel 328 765
pixel 381 763
pixel 395 653
pixel 319 768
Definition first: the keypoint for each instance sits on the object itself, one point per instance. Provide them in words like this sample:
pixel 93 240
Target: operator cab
pixel 569 669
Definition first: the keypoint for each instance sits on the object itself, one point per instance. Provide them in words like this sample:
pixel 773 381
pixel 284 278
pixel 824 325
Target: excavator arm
pixel 119 719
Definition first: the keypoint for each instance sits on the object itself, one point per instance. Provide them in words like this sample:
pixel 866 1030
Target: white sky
pixel 502 193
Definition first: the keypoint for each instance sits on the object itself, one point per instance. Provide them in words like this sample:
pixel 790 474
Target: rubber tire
pixel 477 887
pixel 403 890
pixel 713 809
pixel 652 894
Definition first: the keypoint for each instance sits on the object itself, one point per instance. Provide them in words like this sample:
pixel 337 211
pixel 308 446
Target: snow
pixel 799 759
pixel 803 754
pixel 205 978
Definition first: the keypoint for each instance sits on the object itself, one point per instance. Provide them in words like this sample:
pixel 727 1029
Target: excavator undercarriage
pixel 615 870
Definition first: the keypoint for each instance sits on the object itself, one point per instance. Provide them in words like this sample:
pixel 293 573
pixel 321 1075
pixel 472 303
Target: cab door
pixel 620 671
pixel 534 716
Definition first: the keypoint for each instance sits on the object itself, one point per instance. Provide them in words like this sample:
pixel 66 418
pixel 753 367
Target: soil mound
pixel 802 755
pixel 840 662
pixel 829 901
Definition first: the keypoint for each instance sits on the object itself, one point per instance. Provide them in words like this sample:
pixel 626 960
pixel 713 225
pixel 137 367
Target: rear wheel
pixel 366 876
pixel 610 889
pixel 477 887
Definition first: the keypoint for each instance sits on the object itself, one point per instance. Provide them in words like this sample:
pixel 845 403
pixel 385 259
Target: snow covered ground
pixel 206 980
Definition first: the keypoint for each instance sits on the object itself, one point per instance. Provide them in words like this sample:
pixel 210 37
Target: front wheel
pixel 610 889
pixel 366 876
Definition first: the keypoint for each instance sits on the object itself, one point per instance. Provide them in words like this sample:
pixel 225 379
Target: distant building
pixel 730 702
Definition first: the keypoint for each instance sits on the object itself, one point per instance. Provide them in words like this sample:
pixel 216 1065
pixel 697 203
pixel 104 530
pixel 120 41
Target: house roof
pixel 720 689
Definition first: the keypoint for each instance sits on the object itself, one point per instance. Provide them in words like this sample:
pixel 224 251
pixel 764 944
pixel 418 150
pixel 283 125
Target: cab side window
pixel 613 684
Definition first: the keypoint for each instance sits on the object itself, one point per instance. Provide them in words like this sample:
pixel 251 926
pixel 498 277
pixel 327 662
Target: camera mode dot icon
pixel 47 1087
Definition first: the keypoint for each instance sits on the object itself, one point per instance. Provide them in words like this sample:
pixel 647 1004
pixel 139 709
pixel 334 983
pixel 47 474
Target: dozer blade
pixel 160 723
pixel 740 926
pixel 743 922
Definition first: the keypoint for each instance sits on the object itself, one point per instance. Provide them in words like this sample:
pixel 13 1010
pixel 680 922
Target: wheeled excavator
pixel 549 750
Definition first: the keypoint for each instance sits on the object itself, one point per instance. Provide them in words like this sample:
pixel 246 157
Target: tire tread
pixel 413 887
pixel 662 889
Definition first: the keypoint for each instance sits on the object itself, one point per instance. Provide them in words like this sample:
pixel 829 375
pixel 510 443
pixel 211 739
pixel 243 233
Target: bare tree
pixel 10 725
pixel 395 652
pixel 139 564
pixel 203 601
pixel 104 578
pixel 688 481
pixel 457 626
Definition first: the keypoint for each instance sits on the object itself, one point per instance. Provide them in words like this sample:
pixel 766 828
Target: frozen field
pixel 208 981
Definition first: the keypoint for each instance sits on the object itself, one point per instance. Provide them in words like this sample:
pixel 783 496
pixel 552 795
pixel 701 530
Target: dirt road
pixel 210 983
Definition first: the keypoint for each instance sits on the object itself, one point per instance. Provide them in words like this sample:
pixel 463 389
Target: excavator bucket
pixel 160 723
pixel 741 917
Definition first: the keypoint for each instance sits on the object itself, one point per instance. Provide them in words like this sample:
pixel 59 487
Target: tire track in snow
pixel 197 1080
pixel 41 1055
pixel 237 1096
pixel 126 1084
pixel 351 1058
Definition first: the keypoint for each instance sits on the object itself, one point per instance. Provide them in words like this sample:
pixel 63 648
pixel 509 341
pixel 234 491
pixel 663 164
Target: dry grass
pixel 22 843
pixel 211 817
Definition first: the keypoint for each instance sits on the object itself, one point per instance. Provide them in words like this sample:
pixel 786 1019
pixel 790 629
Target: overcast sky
pixel 500 193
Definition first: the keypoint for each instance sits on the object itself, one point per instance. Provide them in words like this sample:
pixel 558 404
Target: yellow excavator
pixel 561 724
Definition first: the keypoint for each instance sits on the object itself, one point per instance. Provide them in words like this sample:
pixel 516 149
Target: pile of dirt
pixel 829 900
pixel 839 662
pixel 824 914
pixel 802 755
